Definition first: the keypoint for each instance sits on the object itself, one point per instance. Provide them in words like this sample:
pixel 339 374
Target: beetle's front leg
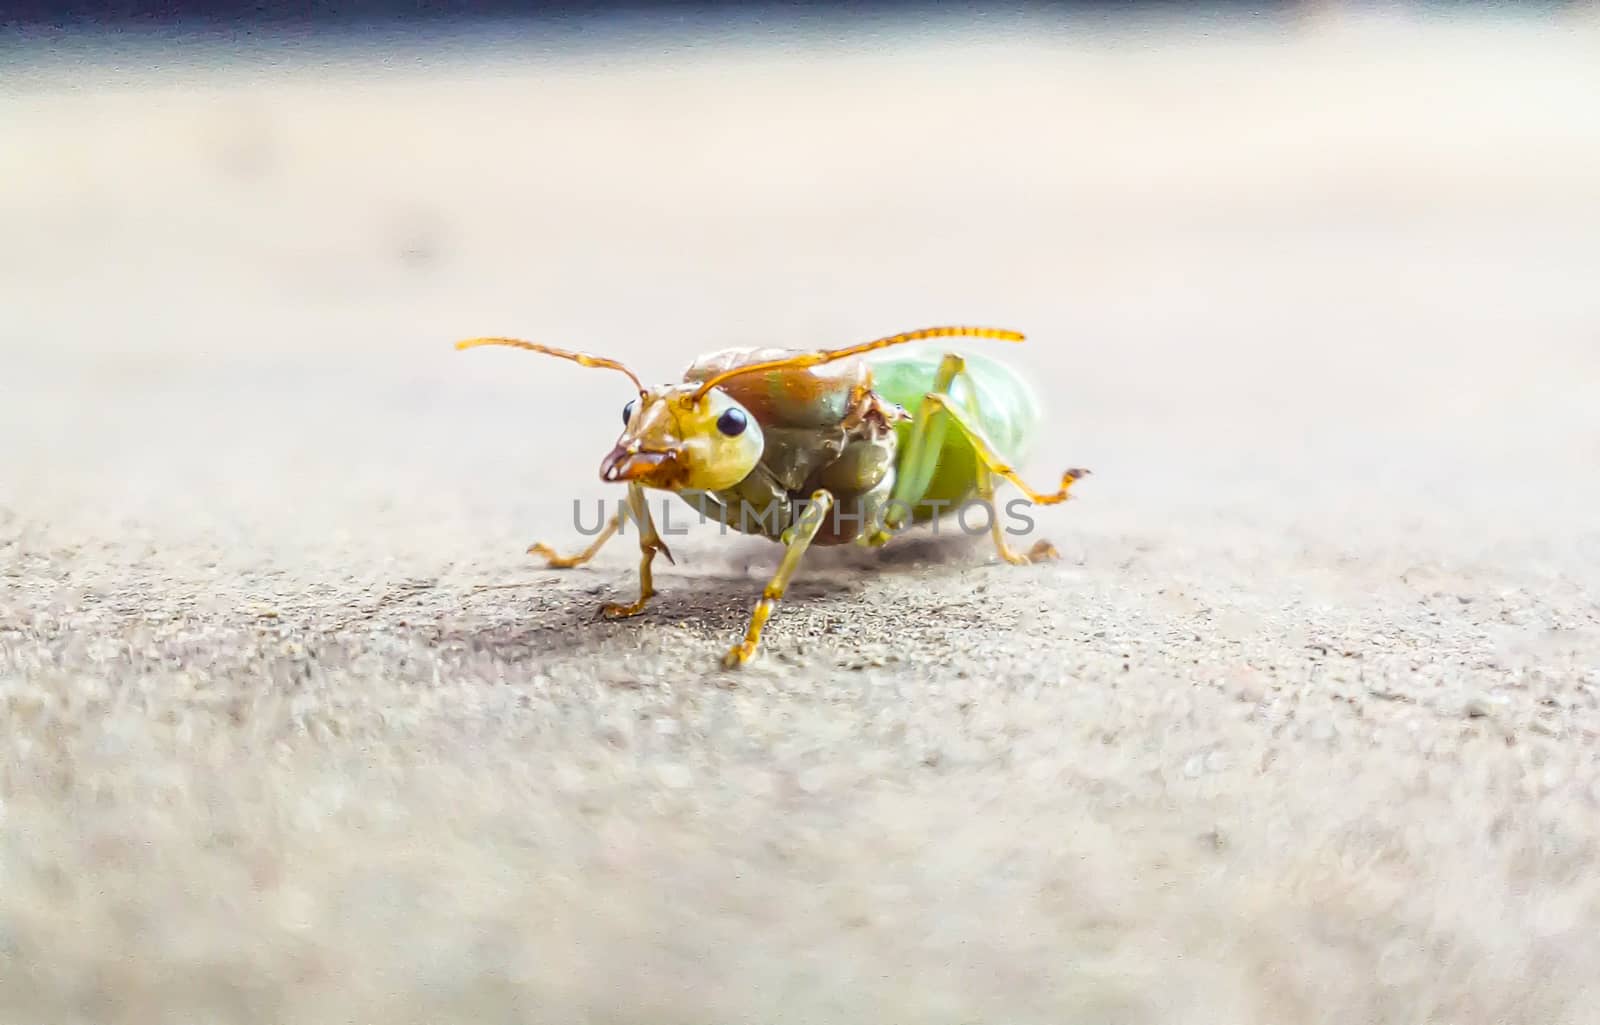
pixel 649 544
pixel 554 560
pixel 796 540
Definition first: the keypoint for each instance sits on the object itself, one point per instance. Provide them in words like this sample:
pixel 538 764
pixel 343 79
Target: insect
pixel 817 447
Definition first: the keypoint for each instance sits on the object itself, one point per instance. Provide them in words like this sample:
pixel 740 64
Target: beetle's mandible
pixel 817 447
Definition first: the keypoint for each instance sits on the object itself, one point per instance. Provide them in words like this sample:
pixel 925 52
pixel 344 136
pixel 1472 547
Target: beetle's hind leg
pixel 796 540
pixel 990 458
pixel 1040 551
pixel 937 411
pixel 992 466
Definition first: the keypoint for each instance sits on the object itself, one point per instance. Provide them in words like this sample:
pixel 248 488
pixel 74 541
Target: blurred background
pixel 1311 288
pixel 1321 222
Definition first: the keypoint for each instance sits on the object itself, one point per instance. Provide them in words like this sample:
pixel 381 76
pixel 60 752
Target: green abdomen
pixel 995 397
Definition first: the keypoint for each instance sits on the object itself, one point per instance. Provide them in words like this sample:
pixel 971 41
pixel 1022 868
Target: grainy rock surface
pixel 1303 727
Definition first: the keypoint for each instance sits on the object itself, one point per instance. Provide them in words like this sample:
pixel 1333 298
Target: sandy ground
pixel 1304 727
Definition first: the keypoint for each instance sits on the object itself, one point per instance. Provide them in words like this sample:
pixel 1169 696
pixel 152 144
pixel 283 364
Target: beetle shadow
pixel 502 622
pixel 909 553
pixel 548 616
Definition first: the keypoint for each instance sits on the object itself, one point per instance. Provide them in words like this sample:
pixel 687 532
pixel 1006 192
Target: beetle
pixel 817 447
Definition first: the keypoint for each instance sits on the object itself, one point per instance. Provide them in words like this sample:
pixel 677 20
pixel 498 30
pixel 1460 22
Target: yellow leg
pixel 649 544
pixel 796 540
pixel 990 458
pixel 555 561
pixel 1041 550
pixel 990 466
pixel 921 457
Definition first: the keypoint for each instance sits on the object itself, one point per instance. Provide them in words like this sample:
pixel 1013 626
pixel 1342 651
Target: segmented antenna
pixel 582 359
pixel 820 356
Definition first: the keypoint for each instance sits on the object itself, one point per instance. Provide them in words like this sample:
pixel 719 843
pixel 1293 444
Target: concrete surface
pixel 1302 728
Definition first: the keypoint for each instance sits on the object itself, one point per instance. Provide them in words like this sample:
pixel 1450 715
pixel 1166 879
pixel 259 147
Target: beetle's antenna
pixel 582 359
pixel 820 356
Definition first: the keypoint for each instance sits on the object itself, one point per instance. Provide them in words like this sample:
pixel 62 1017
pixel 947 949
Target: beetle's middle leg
pixel 796 539
pixel 649 544
pixel 918 462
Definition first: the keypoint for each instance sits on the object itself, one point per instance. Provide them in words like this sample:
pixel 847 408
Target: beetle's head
pixel 682 437
pixel 675 440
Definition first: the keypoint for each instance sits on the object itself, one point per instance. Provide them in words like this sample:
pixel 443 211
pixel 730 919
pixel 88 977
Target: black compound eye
pixel 732 422
pixel 627 411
